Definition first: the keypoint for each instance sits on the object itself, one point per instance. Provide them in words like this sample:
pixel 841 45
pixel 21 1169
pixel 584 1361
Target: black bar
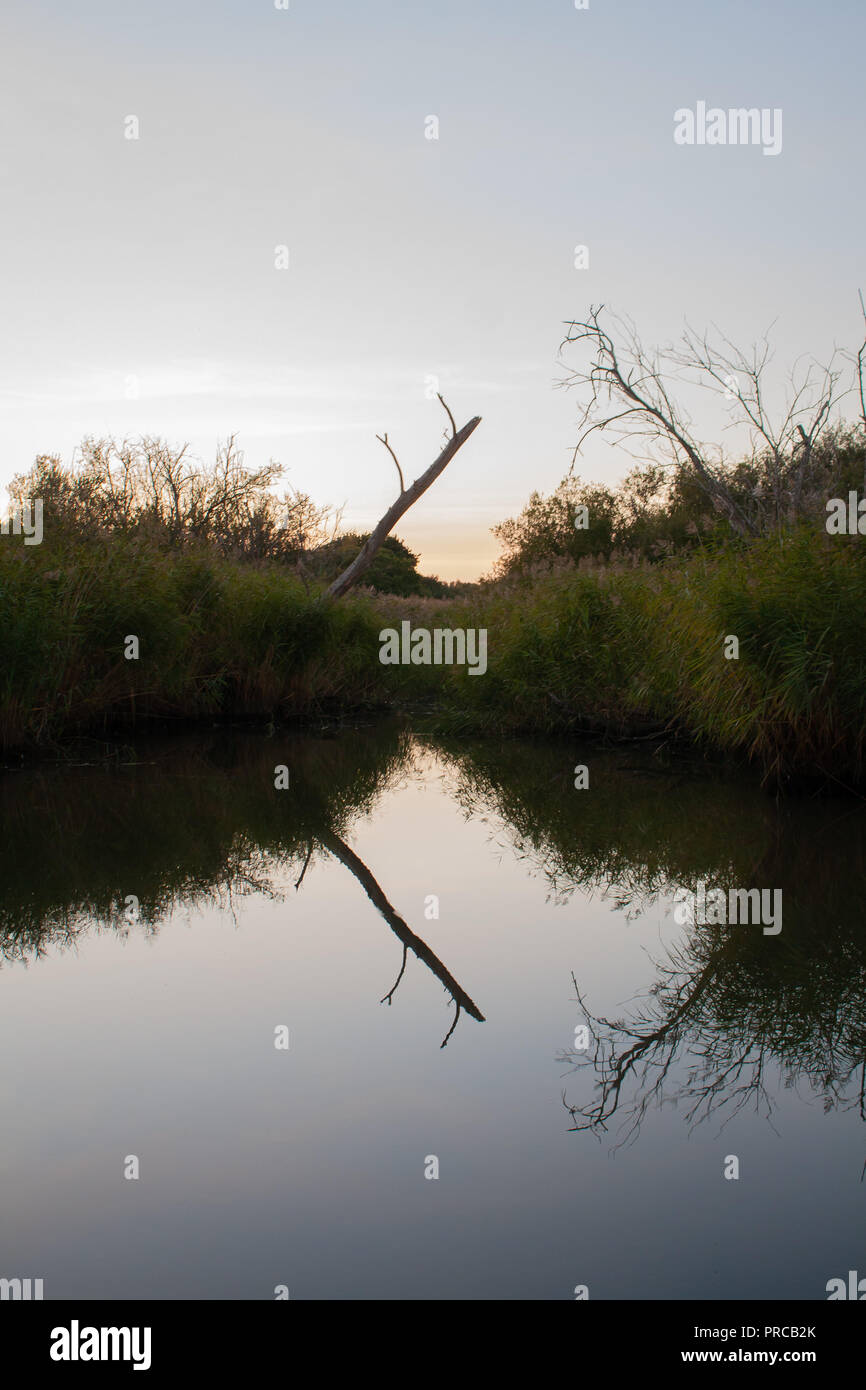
pixel 215 1339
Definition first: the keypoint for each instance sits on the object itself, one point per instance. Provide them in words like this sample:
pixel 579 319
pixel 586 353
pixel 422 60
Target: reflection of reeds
pixel 196 822
pixel 198 828
pixel 199 821
pixel 199 813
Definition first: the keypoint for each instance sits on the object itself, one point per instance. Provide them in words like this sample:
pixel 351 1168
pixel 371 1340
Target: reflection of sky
pixel 261 1167
pixel 153 259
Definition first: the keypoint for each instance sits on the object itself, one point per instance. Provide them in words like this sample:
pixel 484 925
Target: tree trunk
pixel 408 496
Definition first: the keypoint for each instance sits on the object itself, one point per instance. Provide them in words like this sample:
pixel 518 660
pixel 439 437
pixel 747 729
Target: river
pixel 354 1013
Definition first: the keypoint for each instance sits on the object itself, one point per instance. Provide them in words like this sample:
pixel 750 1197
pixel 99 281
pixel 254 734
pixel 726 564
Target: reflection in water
pixel 729 1005
pixel 190 824
pixel 228 830
pixel 726 1009
pixel 410 941
pixel 254 1177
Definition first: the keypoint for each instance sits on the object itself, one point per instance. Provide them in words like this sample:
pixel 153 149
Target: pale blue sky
pixel 154 258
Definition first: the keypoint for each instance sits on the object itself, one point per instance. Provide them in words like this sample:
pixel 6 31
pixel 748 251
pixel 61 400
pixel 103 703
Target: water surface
pixel 431 923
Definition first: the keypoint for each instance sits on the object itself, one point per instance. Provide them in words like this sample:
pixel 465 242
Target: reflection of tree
pixel 410 941
pixel 645 1061
pixel 202 823
pixel 195 826
pixel 728 1009
pixel 197 823
pixel 731 1009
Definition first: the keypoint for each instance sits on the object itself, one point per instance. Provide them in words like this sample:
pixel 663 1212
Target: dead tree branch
pixel 810 401
pixel 408 496
pixel 448 413
pixel 634 379
pixel 383 439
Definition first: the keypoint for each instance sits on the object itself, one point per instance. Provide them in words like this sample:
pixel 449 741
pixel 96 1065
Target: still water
pixel 429 925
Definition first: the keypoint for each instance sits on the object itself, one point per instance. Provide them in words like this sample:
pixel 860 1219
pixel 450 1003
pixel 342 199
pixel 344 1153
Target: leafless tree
pixel 785 445
pixel 630 391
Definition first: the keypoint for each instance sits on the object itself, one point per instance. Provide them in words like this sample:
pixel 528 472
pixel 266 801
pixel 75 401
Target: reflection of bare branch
pixel 711 1016
pixel 453 1025
pixel 391 991
pixel 356 866
pixel 306 866
pixel 614 1068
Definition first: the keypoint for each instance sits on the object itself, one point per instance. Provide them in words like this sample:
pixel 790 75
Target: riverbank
pixel 625 651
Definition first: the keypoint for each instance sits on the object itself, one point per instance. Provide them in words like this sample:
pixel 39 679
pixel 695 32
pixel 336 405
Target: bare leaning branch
pixel 408 496
pixel 383 439
pixel 448 413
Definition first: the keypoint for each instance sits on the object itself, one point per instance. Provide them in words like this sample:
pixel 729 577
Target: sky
pixel 139 286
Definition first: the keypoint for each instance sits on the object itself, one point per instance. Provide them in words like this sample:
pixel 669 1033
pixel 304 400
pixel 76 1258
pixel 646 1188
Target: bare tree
pixel 407 497
pixel 786 446
pixel 630 390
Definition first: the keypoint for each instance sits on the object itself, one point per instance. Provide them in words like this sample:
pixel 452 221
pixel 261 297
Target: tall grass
pixel 620 649
pixel 215 638
pixel 631 649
